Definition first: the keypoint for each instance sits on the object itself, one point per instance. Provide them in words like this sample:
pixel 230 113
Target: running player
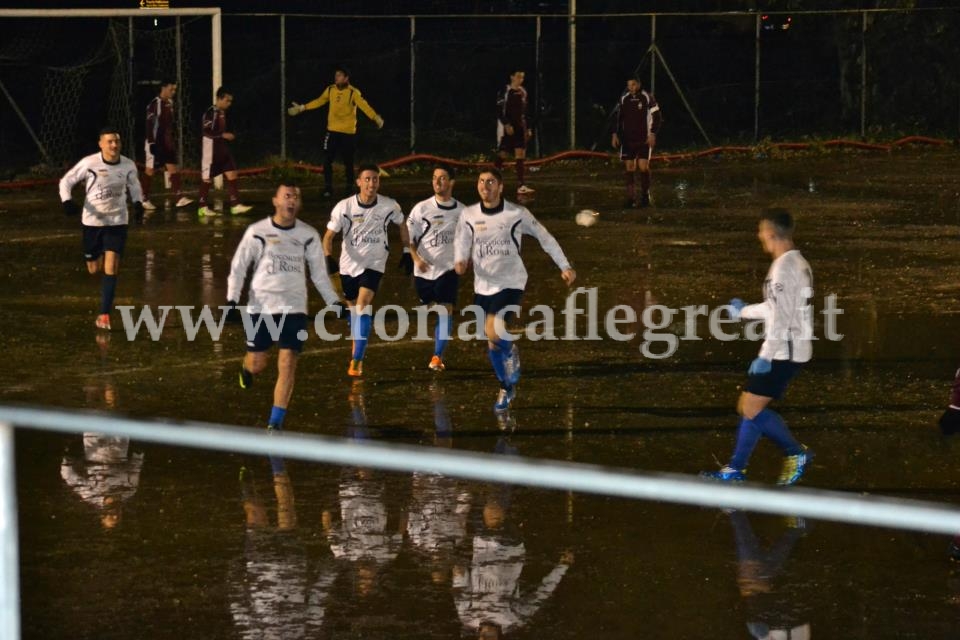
pixel 216 158
pixel 431 226
pixel 363 220
pixel 160 150
pixel 343 99
pixel 109 178
pixel 787 345
pixel 278 249
pixel 489 234
pixel 638 121
pixel 512 131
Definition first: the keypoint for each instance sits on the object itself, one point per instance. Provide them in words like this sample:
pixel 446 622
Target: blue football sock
pixel 499 365
pixel 364 322
pixel 277 415
pixel 108 287
pixel 773 426
pixel 748 434
pixel 441 334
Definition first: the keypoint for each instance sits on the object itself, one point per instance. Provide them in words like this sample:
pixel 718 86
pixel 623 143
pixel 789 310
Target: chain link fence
pixel 720 78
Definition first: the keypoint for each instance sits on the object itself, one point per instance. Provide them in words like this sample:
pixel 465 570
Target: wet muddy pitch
pixel 124 539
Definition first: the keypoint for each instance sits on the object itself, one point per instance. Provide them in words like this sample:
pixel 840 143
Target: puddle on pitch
pixel 124 539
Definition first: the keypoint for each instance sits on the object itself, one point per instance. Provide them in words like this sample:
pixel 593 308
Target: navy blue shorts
pixel 293 323
pixel 774 384
pixel 632 150
pixel 369 279
pixel 96 240
pixel 443 289
pixel 493 304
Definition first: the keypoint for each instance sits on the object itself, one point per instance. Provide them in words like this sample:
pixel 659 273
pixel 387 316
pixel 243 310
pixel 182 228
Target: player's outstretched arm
pixel 368 111
pixel 247 253
pixel 318 272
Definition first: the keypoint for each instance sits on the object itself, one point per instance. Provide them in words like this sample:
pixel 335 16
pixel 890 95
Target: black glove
pixel 333 265
pixel 406 263
pixel 138 212
pixel 233 312
pixel 70 208
pixel 153 148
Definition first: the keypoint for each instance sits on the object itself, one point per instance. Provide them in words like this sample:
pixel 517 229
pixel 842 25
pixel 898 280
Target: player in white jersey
pixel 279 249
pixel 432 225
pixel 108 178
pixel 489 235
pixel 788 334
pixel 363 219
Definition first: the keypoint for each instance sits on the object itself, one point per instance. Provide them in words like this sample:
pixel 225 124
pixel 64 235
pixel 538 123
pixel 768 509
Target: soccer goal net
pixel 65 74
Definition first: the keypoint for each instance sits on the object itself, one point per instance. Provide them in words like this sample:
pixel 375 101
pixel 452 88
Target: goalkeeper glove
pixel 379 122
pixel 138 212
pixel 406 261
pixel 70 208
pixel 296 109
pixel 333 265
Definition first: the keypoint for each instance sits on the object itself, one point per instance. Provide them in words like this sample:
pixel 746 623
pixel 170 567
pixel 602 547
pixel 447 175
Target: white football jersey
pixel 492 240
pixel 107 187
pixel 364 227
pixel 279 257
pixel 432 227
pixel 786 309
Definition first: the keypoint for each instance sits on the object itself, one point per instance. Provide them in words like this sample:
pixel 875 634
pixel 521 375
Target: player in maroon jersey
pixel 638 121
pixel 215 158
pixel 512 130
pixel 160 150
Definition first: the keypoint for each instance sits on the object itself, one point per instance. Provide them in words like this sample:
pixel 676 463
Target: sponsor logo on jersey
pixel 283 263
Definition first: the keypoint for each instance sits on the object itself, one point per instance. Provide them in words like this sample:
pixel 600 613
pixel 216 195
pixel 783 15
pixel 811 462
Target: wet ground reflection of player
pixel 367 537
pixel 773 614
pixel 275 595
pixel 489 598
pixel 439 505
pixel 107 475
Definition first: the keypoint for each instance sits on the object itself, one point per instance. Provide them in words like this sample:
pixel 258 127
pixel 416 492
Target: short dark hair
pixel 342 69
pixel 443 166
pixel 515 70
pixel 107 130
pixel 222 92
pixel 368 166
pixel 289 183
pixel 496 173
pixel 781 220
pixel 165 82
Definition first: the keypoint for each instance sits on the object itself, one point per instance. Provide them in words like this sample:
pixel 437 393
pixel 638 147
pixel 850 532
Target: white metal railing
pixel 551 474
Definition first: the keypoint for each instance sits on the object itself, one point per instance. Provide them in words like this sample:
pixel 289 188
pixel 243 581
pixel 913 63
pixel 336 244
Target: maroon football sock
pixel 204 191
pixel 233 191
pixel 630 179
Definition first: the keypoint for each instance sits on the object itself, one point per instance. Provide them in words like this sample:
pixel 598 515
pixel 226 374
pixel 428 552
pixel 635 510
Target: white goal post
pixel 133 147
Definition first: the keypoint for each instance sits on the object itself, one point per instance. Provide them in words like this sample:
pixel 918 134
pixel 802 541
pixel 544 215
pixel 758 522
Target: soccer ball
pixel 587 217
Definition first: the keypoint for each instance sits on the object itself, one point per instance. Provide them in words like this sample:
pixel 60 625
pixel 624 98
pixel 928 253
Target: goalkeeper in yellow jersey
pixel 343 99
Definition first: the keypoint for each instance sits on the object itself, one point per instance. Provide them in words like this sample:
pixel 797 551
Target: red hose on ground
pixel 574 154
